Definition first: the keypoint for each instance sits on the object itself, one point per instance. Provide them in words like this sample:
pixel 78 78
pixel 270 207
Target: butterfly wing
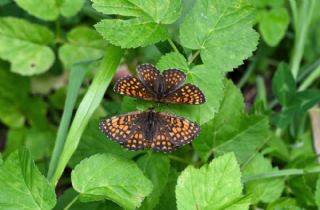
pixel 161 140
pixel 173 78
pixel 186 94
pixel 179 131
pixel 136 141
pixel 122 127
pixel 149 76
pixel 132 86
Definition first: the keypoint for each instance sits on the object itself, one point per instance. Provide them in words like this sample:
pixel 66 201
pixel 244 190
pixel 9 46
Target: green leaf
pixel 144 29
pixel 22 186
pixel 266 190
pixel 13 95
pixel 106 176
pixel 284 204
pixel 131 33
pixel 317 193
pixel 283 84
pixel 222 31
pixel 232 129
pixel 208 80
pixel 51 9
pixel 1 160
pixel 68 195
pixel 156 168
pixel 301 102
pixel 273 24
pixel 93 141
pixel 302 191
pixel 173 60
pixel 161 11
pixel 168 198
pixel 225 191
pixel 23 44
pixel 83 44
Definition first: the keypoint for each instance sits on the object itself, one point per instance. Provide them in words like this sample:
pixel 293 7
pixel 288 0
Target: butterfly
pixel 158 131
pixel 167 87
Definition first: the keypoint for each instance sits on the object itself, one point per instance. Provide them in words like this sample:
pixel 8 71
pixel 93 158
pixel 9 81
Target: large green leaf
pixel 83 44
pixel 265 190
pixel 222 31
pixel 106 176
pixel 232 129
pixel 93 141
pixel 156 168
pixel 51 9
pixel 24 45
pixel 22 186
pixel 212 187
pixel 284 204
pixel 208 80
pixel 145 28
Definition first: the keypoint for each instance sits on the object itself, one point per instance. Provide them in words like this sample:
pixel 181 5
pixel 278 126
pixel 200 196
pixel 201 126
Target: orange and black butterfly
pixel 167 87
pixel 158 131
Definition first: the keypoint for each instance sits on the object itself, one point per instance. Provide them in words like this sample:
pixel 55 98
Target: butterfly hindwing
pixel 121 127
pixel 136 141
pixel 186 94
pixel 132 86
pixel 173 78
pixel 179 130
pixel 161 141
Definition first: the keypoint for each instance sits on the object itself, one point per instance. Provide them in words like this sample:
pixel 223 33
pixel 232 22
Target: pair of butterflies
pixel 159 131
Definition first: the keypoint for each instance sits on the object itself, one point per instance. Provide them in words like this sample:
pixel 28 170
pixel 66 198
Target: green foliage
pixel 83 44
pixel 223 175
pixel 22 186
pixel 273 19
pixel 127 187
pixel 24 44
pixel 257 148
pixel 51 9
pixel 156 167
pixel 210 28
pixel 268 190
pixel 232 129
pixel 147 26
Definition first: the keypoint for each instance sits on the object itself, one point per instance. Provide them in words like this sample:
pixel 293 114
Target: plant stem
pixel 310 79
pixel 281 173
pixel 179 159
pixel 194 56
pixel 174 47
pixel 58 30
pixel 71 203
pixel 88 105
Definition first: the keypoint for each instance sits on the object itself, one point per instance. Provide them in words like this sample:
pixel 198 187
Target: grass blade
pixel 76 76
pixel 87 106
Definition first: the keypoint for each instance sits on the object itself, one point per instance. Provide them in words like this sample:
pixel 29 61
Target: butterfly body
pixel 167 87
pixel 159 131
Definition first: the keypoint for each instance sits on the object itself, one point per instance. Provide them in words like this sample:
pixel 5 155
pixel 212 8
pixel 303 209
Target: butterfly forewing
pixel 120 128
pixel 149 76
pixel 133 87
pixel 179 130
pixel 173 78
pixel 187 94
